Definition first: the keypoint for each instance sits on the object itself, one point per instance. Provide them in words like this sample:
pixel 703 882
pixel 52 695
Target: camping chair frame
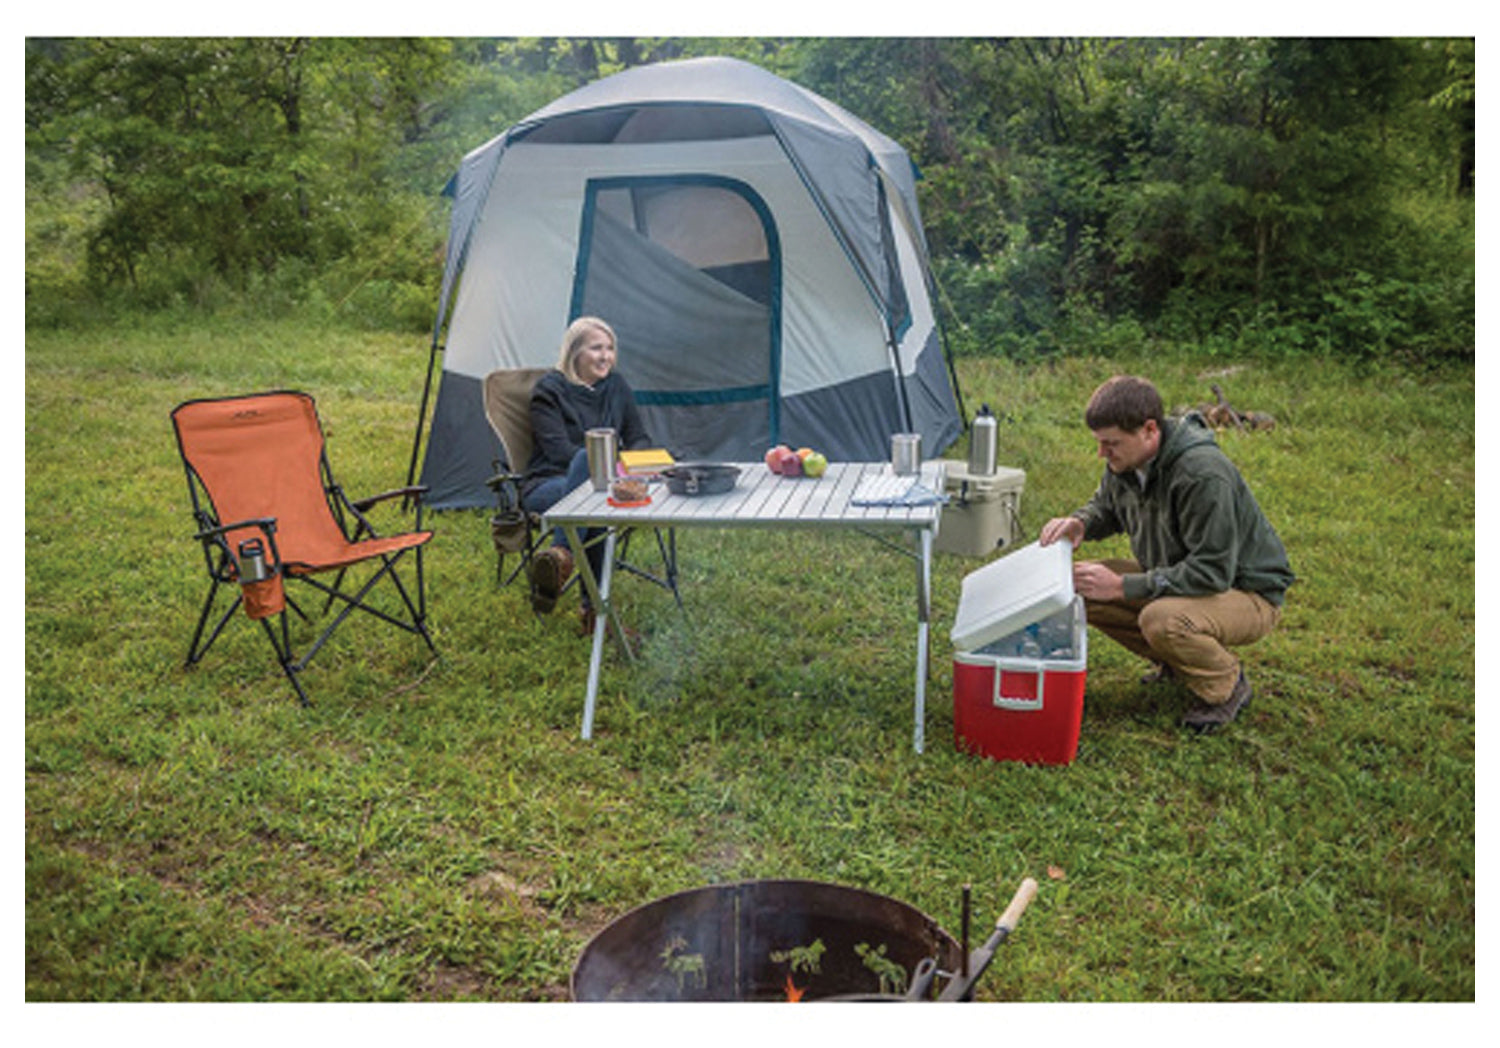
pixel 362 545
pixel 507 394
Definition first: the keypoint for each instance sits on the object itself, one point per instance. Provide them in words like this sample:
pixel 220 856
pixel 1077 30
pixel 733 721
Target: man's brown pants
pixel 1192 635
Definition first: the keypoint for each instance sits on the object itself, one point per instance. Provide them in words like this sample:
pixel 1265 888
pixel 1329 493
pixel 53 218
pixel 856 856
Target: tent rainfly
pixel 757 249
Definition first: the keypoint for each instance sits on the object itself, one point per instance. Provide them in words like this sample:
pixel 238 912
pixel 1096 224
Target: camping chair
pixel 269 512
pixel 507 406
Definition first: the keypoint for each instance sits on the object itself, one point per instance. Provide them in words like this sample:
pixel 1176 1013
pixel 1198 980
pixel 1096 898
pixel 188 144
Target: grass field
pixel 435 830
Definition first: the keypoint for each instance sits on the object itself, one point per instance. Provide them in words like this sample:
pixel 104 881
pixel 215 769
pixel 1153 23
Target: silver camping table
pixel 761 499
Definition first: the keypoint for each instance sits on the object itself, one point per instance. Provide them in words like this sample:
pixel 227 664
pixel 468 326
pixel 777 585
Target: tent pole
pixel 416 442
pixel 940 295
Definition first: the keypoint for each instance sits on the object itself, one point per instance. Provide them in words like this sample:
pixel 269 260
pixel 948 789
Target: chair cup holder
pixel 264 598
pixel 509 531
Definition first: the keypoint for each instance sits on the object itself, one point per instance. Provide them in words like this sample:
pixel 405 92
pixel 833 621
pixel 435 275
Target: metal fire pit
pixel 739 942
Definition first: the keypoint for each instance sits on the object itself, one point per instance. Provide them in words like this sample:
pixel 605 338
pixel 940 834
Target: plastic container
pixel 983 513
pixel 1021 667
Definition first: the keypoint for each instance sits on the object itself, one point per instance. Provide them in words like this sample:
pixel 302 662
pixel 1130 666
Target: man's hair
pixel 1125 402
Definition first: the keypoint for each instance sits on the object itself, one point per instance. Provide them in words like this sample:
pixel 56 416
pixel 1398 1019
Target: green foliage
pixel 435 829
pixel 1299 195
pixel 1186 184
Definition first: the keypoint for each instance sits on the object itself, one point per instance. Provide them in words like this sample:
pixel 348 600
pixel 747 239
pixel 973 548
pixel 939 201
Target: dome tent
pixel 757 249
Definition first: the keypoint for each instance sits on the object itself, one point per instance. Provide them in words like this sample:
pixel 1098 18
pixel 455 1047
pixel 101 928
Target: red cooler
pixel 1022 658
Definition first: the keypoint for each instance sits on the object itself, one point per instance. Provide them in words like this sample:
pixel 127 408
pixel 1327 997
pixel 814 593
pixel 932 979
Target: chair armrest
pixel 265 524
pixel 213 538
pixel 414 492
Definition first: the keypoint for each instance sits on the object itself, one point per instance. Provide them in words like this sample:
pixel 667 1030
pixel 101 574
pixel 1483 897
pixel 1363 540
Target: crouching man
pixel 1209 573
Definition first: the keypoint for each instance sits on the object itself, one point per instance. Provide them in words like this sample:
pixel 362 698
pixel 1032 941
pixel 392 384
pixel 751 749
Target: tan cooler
pixel 983 513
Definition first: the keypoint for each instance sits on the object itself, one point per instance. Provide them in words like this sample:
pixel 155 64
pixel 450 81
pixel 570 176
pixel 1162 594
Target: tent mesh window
pixel 657 123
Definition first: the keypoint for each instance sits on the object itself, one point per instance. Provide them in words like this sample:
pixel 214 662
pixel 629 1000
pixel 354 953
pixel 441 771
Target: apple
pixel 815 465
pixel 790 464
pixel 774 456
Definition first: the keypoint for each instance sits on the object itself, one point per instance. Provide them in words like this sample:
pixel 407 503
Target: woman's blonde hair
pixel 573 341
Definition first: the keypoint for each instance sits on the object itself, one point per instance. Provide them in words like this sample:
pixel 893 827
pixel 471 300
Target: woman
pixel 584 393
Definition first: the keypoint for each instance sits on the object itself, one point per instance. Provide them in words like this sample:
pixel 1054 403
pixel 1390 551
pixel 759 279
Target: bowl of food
pixel 629 491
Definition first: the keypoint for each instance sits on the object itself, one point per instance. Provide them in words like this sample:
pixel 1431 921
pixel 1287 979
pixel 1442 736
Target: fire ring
pixel 765 940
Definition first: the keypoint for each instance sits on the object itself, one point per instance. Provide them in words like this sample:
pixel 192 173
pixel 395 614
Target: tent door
pixel 687 270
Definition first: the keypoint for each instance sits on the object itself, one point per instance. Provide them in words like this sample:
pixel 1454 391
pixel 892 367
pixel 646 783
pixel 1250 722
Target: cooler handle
pixel 1022 702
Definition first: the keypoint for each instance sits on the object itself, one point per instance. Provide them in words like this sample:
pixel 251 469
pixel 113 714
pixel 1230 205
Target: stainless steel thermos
pixel 983 445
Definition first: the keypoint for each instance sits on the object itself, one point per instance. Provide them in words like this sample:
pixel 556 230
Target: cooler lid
pixel 1012 592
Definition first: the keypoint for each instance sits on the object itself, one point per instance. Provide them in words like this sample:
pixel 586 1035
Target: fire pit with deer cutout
pixel 779 940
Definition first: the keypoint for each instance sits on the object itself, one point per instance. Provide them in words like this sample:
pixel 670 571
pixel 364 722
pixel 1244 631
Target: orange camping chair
pixel 269 512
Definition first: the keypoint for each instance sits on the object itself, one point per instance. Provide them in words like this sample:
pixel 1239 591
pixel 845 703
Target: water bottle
pixel 983 443
pixel 1031 647
pixel 1056 637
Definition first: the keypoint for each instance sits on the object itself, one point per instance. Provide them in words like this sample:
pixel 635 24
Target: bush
pixel 391 305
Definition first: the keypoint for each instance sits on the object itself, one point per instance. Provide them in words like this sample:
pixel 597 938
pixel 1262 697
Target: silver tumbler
pixel 253 566
pixel 602 449
pixel 906 454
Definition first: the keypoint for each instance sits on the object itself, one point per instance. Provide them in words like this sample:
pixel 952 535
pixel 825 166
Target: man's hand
pixel 1093 581
pixel 1070 528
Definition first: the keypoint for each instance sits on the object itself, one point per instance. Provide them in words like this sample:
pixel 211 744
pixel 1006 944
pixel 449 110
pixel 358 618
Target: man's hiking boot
pixel 550 569
pixel 1206 717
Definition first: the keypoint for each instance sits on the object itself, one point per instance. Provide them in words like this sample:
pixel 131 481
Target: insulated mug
pixel 906 454
pixel 602 447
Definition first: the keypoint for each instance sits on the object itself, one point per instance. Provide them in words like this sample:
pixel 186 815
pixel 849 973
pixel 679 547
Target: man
pixel 1209 573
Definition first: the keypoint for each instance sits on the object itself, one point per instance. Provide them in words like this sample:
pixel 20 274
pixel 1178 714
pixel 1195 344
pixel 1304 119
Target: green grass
pixel 436 830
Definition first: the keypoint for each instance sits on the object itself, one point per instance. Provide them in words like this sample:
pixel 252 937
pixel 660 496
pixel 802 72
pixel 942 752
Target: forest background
pixel 1273 195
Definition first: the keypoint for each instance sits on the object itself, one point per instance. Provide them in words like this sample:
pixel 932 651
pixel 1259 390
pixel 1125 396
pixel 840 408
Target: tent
pixel 757 249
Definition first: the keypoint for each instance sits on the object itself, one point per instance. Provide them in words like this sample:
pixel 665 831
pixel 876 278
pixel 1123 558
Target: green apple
pixel 815 464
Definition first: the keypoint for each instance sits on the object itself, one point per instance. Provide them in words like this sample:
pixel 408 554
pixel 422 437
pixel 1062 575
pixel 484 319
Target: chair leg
pixel 668 550
pixel 283 648
pixel 195 651
pixel 418 623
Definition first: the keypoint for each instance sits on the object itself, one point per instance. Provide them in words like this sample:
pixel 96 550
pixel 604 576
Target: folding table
pixel 761 499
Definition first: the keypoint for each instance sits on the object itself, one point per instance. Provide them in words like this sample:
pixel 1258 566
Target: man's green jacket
pixel 1193 524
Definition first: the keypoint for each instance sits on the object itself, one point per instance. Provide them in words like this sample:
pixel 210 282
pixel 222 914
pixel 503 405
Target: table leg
pixel 598 591
pixel 924 619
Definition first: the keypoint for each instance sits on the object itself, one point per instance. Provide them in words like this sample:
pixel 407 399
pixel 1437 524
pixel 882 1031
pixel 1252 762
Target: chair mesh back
pixel 507 405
